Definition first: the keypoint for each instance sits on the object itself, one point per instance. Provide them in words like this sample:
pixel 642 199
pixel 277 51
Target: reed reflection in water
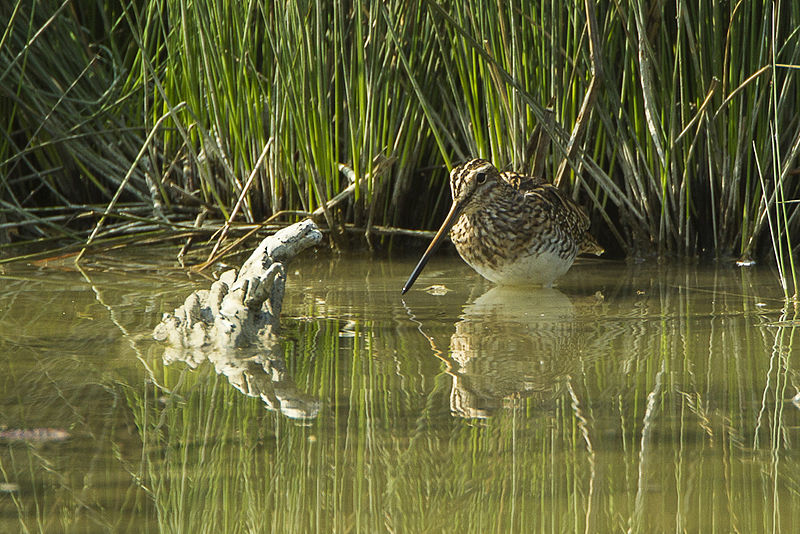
pixel 630 398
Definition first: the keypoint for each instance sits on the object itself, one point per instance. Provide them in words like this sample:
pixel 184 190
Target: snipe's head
pixel 471 184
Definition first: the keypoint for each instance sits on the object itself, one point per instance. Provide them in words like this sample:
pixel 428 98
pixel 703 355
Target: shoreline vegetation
pixel 675 124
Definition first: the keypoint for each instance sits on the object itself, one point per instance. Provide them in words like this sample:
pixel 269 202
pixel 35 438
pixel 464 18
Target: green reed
pixel 186 100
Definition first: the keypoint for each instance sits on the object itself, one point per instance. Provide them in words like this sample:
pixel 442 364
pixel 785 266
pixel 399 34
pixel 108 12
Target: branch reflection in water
pixel 260 374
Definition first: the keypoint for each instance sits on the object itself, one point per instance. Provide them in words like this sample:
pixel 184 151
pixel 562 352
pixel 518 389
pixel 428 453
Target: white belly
pixel 539 269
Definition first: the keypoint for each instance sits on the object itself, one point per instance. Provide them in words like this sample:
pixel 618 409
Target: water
pixel 632 398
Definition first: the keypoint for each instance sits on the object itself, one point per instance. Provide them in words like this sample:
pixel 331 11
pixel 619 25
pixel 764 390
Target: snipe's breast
pixel 513 251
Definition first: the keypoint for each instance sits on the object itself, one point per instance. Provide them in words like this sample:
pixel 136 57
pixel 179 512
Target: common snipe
pixel 510 228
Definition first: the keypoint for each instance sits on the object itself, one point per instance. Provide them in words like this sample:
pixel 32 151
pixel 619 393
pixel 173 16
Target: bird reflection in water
pixel 512 343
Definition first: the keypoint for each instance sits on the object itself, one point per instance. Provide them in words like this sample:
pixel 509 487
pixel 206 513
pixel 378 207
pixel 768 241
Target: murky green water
pixel 632 398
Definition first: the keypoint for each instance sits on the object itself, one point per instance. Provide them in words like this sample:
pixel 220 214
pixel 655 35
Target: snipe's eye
pixel 480 178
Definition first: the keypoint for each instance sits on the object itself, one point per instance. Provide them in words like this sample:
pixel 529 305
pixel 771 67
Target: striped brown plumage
pixel 510 228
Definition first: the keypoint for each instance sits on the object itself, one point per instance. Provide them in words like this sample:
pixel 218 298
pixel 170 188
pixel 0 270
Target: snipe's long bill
pixel 512 229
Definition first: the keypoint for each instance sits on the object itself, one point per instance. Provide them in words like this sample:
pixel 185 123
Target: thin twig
pixel 596 71
pixel 241 198
pixel 127 178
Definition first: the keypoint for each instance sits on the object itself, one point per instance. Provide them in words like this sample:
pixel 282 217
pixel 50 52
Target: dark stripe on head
pixel 459 175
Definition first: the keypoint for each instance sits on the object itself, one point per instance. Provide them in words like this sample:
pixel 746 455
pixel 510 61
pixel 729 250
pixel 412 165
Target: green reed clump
pixel 686 92
pixel 658 115
pixel 689 121
pixel 66 138
pixel 312 84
